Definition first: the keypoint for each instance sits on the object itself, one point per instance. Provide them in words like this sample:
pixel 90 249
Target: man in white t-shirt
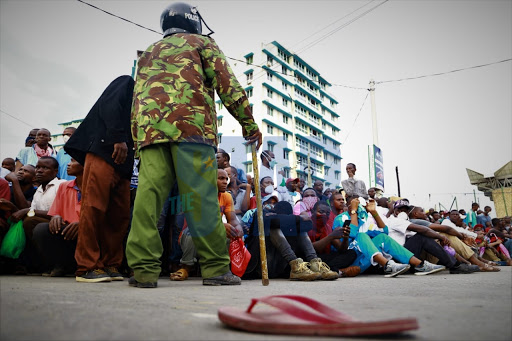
pixel 417 238
pixel 454 220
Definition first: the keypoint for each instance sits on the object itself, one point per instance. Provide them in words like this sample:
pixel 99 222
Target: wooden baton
pixel 261 227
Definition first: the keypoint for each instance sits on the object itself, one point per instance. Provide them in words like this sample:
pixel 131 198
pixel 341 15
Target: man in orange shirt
pixel 56 240
pixel 232 226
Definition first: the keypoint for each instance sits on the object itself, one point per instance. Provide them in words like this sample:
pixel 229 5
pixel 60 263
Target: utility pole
pixel 397 180
pixel 374 113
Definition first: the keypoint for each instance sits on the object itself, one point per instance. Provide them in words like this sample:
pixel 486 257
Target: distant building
pixel 295 112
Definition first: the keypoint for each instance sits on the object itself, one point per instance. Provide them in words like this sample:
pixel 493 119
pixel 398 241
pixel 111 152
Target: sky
pixel 56 58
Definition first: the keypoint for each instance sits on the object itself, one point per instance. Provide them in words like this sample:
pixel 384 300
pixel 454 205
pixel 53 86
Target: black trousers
pixel 55 251
pixel 417 243
pixel 339 260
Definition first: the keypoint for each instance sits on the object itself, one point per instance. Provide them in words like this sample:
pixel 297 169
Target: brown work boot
pixel 301 272
pixel 316 265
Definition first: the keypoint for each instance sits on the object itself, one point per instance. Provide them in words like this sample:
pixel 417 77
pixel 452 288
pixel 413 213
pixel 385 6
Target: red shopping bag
pixel 239 256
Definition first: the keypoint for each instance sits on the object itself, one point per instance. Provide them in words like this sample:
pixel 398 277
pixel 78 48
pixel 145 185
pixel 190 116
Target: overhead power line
pixel 334 22
pixel 314 43
pixel 357 116
pixel 443 73
pixel 327 35
pixel 17 119
pixel 112 14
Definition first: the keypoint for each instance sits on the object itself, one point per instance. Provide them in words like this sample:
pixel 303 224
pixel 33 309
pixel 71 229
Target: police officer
pixel 174 129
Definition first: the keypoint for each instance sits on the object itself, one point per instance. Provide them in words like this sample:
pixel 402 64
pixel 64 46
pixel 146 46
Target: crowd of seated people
pixel 311 233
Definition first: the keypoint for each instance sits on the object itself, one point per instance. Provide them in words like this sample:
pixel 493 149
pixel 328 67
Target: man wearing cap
pixel 289 193
pixel 417 238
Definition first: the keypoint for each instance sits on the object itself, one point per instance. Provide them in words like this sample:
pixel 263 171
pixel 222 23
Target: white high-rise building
pixel 295 112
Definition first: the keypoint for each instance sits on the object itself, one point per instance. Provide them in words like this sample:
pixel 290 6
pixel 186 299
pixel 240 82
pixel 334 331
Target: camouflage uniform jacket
pixel 174 92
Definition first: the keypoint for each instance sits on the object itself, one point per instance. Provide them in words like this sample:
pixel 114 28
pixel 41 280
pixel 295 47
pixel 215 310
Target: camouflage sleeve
pixel 227 86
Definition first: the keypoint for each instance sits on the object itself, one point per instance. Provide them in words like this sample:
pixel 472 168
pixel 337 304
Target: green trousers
pixel 194 167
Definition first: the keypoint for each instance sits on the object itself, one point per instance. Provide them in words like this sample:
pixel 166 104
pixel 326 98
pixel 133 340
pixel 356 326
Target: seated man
pixel 279 220
pixel 417 238
pixel 46 174
pixel 369 239
pixel 289 192
pixel 22 189
pixel 240 192
pixel 232 226
pixel 42 147
pixel 328 246
pixel 56 240
pixel 417 216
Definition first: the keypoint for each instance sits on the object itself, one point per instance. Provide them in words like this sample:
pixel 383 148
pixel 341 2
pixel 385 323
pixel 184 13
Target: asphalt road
pixel 448 307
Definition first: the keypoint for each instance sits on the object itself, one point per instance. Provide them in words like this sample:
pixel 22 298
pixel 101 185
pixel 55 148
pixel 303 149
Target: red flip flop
pixel 292 319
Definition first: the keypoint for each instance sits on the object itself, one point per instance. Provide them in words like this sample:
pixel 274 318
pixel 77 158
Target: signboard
pixel 378 167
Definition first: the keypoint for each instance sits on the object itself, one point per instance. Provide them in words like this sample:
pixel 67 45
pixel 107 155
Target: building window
pixel 285 119
pixel 219 122
pixel 315 150
pixel 249 77
pixel 285 102
pixel 336 160
pixel 220 139
pixel 270 111
pixel 337 175
pixel 220 105
pixel 270 61
pixel 270 93
pixel 270 146
pixel 325 141
pixel 284 71
pixel 270 129
pixel 286 173
pixel 249 60
pixel 248 167
pixel 333 118
pixel 301 144
pixel 269 76
pixel 302 127
pixel 248 148
pixel 326 171
pixel 285 137
pixel 285 86
pixel 335 145
pixel 249 93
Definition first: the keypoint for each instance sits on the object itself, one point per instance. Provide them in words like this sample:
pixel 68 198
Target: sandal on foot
pixel 292 318
pixel 180 275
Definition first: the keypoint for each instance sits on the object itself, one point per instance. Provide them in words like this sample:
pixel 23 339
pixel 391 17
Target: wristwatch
pixel 31 213
pixel 353 212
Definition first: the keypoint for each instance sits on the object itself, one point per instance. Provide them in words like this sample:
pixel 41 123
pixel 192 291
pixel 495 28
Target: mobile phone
pixel 346 223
